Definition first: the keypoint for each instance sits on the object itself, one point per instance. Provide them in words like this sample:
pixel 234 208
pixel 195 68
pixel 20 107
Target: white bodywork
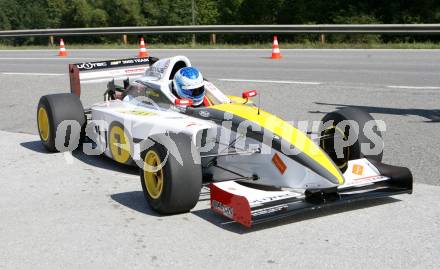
pixel 142 121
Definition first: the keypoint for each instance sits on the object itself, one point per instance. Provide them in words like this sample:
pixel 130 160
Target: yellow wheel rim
pixel 119 144
pixel 153 179
pixel 43 124
pixel 328 130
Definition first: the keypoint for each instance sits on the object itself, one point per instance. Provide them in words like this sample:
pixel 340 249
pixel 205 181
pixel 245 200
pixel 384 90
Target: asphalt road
pixel 64 211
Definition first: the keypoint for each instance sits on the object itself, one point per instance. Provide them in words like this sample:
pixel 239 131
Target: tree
pixel 206 12
pixel 56 9
pixel 260 11
pixel 229 11
pixel 123 12
pixel 4 21
pixel 12 12
pixel 79 14
pixel 24 14
pixel 36 15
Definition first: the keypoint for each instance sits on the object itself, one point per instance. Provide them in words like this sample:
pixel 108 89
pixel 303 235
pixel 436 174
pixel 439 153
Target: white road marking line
pixel 414 87
pixel 32 74
pixel 271 81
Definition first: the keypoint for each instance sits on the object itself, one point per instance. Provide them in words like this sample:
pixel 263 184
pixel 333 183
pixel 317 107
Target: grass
pixel 308 45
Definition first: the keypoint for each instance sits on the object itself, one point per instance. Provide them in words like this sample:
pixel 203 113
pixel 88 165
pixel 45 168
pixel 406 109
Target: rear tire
pixel 353 152
pixel 51 112
pixel 173 188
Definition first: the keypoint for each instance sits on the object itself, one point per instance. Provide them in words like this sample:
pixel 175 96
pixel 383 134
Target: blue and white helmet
pixel 188 83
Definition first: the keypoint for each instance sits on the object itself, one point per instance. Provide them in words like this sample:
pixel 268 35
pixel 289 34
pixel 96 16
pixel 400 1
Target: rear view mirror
pixel 249 94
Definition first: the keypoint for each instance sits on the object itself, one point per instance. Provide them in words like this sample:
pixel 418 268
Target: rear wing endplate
pixel 107 70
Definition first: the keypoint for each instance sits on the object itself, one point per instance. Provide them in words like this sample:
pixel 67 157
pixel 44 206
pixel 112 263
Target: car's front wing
pixel 249 204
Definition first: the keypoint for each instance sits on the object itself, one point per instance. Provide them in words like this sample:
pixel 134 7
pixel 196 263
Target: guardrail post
pixel 51 41
pixel 124 39
pixel 322 38
pixel 193 43
pixel 213 39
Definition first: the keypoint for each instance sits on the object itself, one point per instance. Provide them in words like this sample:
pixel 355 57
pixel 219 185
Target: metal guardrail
pixel 230 29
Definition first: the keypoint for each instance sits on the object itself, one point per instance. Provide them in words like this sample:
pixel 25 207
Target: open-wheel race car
pixel 258 167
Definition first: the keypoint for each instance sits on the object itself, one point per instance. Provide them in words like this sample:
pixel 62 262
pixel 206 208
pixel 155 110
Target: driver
pixel 188 83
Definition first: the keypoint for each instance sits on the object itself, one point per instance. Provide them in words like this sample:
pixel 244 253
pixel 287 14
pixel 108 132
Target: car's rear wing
pixel 107 70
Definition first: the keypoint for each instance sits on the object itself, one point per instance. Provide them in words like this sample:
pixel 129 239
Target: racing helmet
pixel 188 83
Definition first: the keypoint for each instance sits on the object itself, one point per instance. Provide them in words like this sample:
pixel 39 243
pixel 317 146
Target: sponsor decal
pixel 158 69
pixel 153 94
pixel 89 66
pixel 364 181
pixel 223 209
pixel 269 210
pixel 273 198
pixel 279 164
pixel 204 113
pixel 134 70
pixel 191 124
pixel 135 61
pixel 115 63
pixel 137 112
pixel 174 118
pixel 112 64
pixel 358 169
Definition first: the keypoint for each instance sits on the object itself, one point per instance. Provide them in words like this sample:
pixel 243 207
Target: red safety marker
pixel 62 52
pixel 276 53
pixel 142 49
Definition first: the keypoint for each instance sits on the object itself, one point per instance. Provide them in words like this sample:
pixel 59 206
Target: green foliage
pixel 79 14
pixel 55 10
pixel 206 12
pixel 24 14
pixel 153 11
pixel 355 38
pixel 11 11
pixel 229 11
pixel 4 21
pixel 123 12
pixel 99 18
pixel 167 12
pixel 260 11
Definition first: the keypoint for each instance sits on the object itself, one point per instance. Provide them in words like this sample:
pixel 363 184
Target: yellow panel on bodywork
pixel 285 131
pixel 137 112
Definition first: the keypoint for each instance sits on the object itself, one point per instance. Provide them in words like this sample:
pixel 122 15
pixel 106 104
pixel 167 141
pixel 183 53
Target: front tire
pixel 357 120
pixel 169 187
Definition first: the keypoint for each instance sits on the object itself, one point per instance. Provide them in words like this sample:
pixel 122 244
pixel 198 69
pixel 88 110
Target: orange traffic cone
pixel 142 50
pixel 276 54
pixel 62 51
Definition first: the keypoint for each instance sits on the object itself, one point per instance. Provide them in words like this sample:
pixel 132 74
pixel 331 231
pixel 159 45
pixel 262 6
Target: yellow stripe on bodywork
pixel 285 131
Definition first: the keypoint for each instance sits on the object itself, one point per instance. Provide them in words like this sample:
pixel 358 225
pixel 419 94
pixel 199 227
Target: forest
pixel 40 14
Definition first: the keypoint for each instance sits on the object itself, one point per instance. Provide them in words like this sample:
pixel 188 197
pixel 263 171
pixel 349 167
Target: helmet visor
pixel 197 92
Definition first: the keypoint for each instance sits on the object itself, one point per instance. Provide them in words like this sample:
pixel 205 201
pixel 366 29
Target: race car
pixel 257 166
